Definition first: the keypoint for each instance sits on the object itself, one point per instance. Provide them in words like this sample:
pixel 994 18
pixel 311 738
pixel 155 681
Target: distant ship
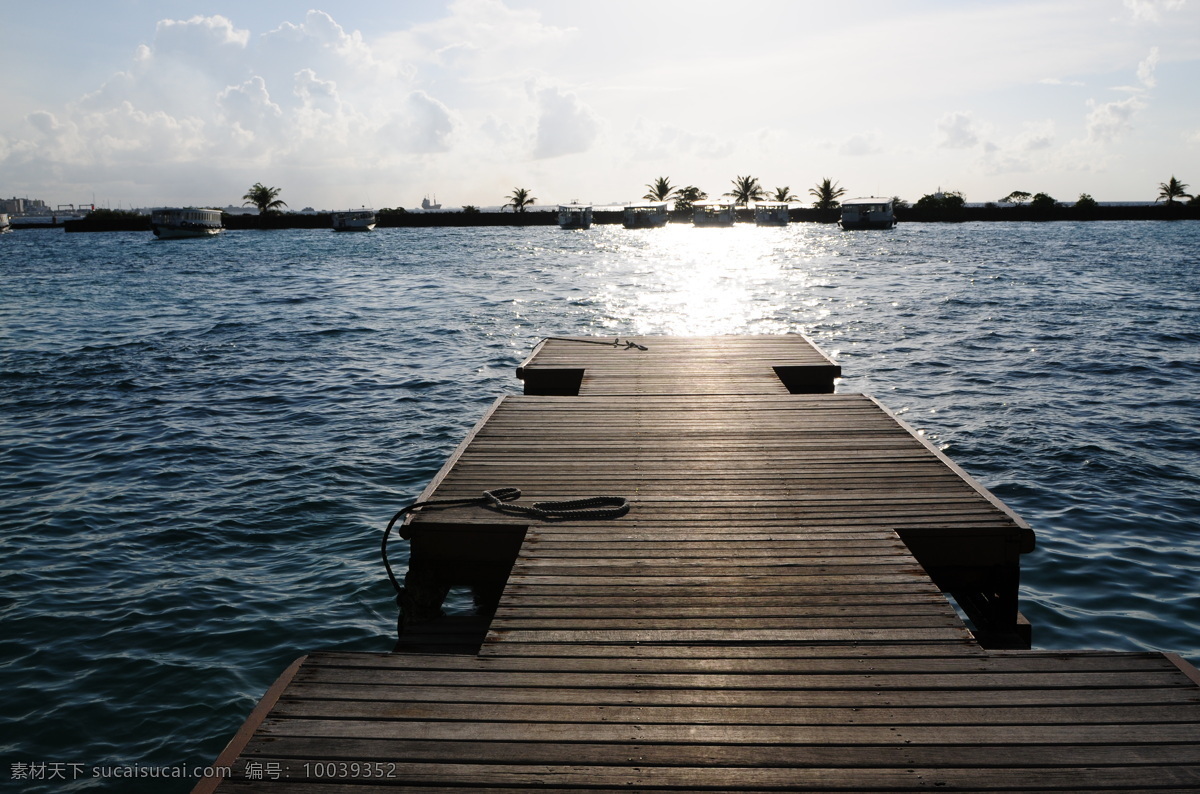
pixel 426 204
pixel 713 213
pixel 868 213
pixel 771 213
pixel 650 215
pixel 187 222
pixel 361 220
pixel 575 216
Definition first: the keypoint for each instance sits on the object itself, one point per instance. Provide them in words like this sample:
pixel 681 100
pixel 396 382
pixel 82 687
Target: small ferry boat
pixel 868 213
pixel 713 213
pixel 575 216
pixel 649 215
pixel 187 222
pixel 5 226
pixel 362 220
pixel 771 213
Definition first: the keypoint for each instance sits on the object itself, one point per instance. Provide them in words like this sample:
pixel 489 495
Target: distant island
pixel 129 220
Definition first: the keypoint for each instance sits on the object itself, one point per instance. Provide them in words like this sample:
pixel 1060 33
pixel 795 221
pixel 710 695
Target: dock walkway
pixel 770 615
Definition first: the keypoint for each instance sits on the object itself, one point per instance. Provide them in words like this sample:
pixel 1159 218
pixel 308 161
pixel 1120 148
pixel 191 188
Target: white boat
pixel 771 213
pixel 575 216
pixel 187 222
pixel 362 220
pixel 868 213
pixel 5 226
pixel 713 213
pixel 650 215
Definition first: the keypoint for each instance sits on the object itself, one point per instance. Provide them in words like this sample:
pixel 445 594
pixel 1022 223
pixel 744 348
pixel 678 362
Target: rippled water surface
pixel 201 440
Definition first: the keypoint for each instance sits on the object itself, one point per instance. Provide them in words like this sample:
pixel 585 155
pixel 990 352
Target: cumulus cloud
pixel 483 37
pixel 1108 121
pixel 423 125
pixel 565 125
pixel 189 38
pixel 248 105
pixel 324 47
pixel 207 97
pixel 958 130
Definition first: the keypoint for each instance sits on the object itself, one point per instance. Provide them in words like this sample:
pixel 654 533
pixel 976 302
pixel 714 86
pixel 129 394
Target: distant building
pixel 23 206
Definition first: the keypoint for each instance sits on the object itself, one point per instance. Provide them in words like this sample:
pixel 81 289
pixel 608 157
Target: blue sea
pixel 201 440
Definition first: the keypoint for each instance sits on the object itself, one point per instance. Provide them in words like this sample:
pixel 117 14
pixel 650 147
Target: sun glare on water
pixel 701 282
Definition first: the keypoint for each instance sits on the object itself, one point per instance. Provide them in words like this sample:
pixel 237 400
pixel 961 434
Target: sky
pixel 380 103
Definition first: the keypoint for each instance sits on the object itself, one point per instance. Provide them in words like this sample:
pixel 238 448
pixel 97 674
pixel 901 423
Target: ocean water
pixel 201 440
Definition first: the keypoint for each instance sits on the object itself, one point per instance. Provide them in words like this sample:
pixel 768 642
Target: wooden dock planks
pixel 738 504
pixel 678 365
pixel 768 616
pixel 897 720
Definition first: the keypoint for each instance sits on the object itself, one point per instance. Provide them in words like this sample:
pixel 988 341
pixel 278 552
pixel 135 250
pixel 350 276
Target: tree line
pixel 826 195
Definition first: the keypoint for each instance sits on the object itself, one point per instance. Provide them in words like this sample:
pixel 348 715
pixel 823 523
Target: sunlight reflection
pixel 710 281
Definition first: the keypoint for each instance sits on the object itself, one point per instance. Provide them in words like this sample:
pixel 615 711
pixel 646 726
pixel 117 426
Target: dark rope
pixel 593 508
pixel 614 343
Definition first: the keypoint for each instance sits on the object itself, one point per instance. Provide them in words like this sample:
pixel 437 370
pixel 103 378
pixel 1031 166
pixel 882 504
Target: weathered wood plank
pixel 374 724
pixel 845 756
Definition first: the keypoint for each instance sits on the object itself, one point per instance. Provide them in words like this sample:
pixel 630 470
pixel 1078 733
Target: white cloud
pixel 475 95
pixel 323 46
pixel 423 126
pixel 565 125
pixel 197 35
pixel 1060 81
pixel 669 143
pixel 1108 121
pixel 1151 10
pixel 1035 135
pixel 958 130
pixel 1145 69
pixel 860 144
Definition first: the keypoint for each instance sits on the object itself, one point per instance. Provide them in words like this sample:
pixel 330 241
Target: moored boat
pixel 648 215
pixel 713 213
pixel 361 220
pixel 185 222
pixel 575 216
pixel 771 213
pixel 868 213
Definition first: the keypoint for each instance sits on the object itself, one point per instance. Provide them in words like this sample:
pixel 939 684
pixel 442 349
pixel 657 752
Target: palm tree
pixel 685 197
pixel 826 194
pixel 264 198
pixel 745 190
pixel 520 199
pixel 1172 190
pixel 660 189
pixel 784 194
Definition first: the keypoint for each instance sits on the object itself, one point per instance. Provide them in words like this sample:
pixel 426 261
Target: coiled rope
pixel 614 343
pixel 592 508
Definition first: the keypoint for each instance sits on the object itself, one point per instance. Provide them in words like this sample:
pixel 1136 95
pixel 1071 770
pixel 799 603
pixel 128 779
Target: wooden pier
pixel 770 614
